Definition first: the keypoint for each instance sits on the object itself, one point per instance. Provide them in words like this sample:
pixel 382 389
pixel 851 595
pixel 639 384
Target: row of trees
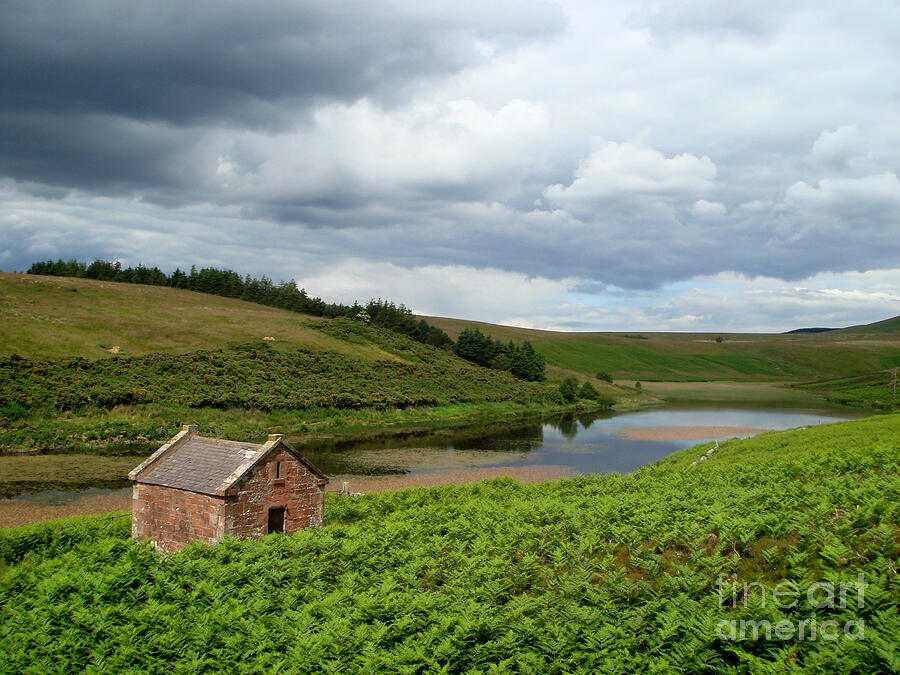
pixel 226 283
pixel 519 359
pixel 263 291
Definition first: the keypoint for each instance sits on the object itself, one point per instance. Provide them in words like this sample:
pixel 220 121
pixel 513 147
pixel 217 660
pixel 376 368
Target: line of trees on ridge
pixel 520 359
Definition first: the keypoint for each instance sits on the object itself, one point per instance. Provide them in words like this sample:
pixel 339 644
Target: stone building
pixel 201 489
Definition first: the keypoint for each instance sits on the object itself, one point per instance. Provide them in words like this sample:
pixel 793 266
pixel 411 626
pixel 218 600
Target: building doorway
pixel 276 520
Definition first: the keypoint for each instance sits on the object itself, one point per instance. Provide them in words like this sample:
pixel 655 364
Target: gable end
pixel 232 485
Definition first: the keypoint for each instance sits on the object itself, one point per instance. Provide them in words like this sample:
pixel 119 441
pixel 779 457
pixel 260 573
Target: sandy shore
pixel 23 511
pixel 685 433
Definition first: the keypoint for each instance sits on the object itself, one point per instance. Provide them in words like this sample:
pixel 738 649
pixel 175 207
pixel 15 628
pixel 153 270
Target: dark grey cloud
pixel 92 152
pixel 115 96
pixel 586 146
pixel 235 63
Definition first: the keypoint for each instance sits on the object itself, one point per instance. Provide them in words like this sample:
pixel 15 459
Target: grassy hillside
pixel 700 356
pixel 64 403
pixel 133 402
pixel 44 317
pixel 98 366
pixel 873 390
pixel 641 573
pixel 886 326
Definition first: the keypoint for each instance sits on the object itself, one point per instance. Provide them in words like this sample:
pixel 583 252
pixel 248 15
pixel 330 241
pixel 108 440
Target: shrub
pixel 588 391
pixel 14 411
pixel 568 389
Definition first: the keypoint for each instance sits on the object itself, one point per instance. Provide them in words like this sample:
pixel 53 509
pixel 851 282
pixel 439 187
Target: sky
pixel 687 165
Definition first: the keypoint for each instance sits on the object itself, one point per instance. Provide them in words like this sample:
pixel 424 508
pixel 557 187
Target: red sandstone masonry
pixel 172 517
pixel 246 514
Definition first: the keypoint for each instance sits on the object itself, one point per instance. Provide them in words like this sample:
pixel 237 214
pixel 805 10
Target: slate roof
pixel 209 466
pixel 199 464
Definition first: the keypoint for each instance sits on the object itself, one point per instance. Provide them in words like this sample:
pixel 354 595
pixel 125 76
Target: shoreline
pixel 479 419
pixel 17 512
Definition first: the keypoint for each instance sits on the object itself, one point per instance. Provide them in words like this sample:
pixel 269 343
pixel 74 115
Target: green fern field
pixel 790 533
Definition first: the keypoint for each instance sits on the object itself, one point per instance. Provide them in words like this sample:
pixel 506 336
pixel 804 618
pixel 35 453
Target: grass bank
pixel 128 403
pixel 684 357
pixel 650 572
pixel 875 391
pixel 730 392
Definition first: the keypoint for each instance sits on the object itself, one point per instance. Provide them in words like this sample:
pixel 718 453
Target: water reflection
pixel 581 442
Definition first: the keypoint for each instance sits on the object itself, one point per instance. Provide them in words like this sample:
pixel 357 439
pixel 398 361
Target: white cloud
pixel 363 152
pixel 708 210
pixel 446 290
pixel 881 189
pixel 623 169
pixel 734 302
pixel 839 146
pixel 751 137
pixel 730 302
pixel 736 17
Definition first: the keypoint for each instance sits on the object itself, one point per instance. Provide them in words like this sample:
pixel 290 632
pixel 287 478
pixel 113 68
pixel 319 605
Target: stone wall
pixel 297 491
pixel 172 518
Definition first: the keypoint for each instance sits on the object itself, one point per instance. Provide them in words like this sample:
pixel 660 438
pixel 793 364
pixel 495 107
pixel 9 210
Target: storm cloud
pixel 573 153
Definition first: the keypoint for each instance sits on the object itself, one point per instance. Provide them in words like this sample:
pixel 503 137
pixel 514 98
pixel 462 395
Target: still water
pixel 620 442
pixel 536 450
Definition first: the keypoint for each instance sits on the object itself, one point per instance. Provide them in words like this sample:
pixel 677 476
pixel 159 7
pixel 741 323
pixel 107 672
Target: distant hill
pixel 60 317
pixel 795 356
pixel 808 330
pixel 156 357
pixel 886 326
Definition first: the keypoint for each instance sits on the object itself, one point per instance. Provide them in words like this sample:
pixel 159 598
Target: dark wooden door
pixel 276 520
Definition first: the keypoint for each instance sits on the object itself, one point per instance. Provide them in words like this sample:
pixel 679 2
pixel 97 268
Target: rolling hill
pixel 888 326
pixel 243 369
pixel 44 317
pixel 708 356
pixel 91 365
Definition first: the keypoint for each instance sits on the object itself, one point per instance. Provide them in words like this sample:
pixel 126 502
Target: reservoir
pixel 530 450
pixel 553 447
